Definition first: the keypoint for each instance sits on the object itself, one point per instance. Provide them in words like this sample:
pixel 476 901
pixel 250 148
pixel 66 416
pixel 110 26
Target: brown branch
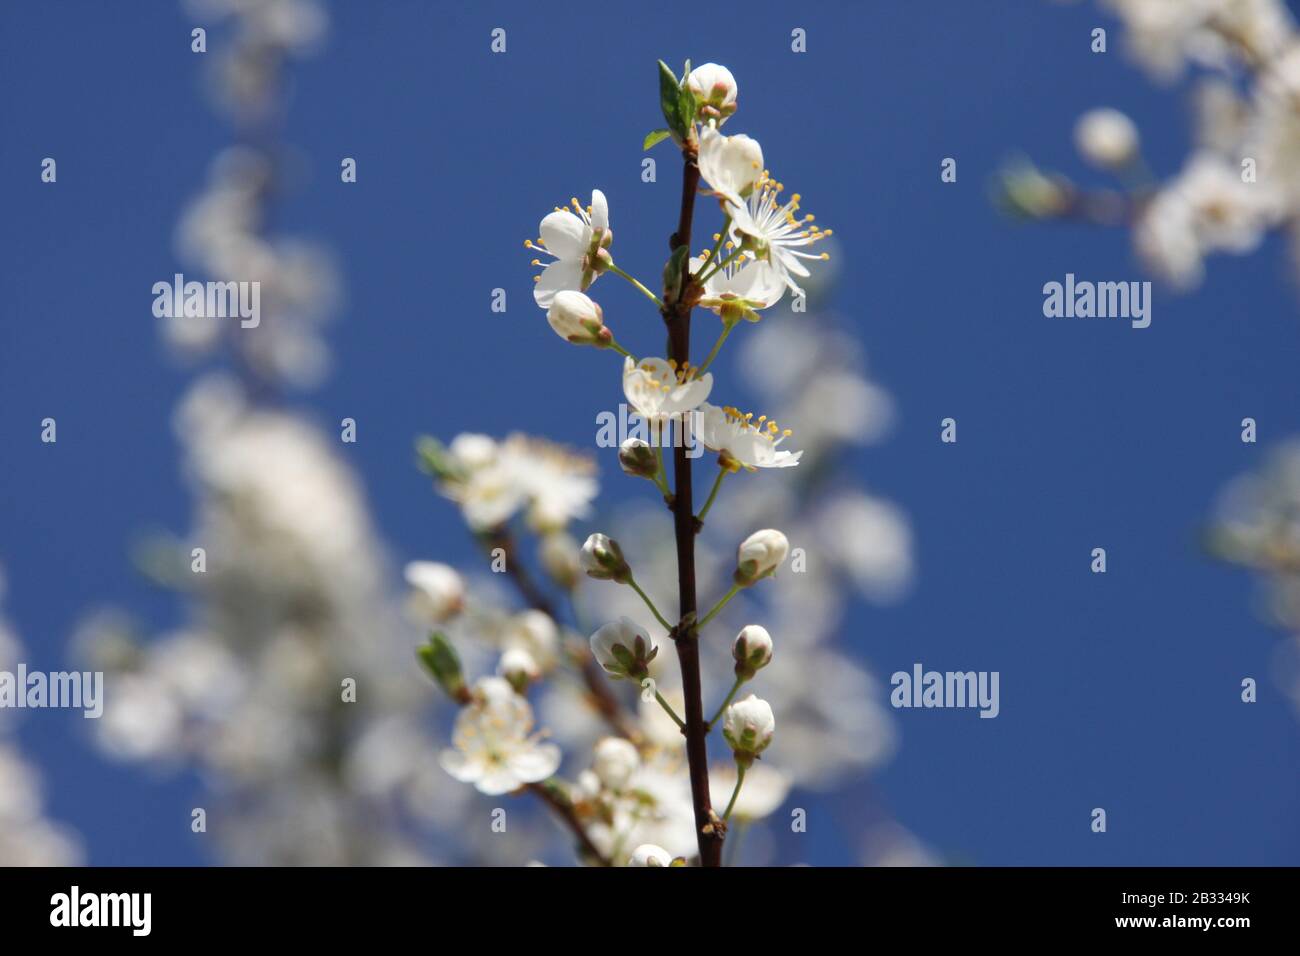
pixel 563 808
pixel 601 697
pixel 710 831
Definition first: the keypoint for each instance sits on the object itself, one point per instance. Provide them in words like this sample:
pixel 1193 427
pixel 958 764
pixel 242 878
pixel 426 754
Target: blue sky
pixel 1118 690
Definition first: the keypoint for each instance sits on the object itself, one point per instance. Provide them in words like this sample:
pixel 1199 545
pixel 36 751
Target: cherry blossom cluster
pixel 632 806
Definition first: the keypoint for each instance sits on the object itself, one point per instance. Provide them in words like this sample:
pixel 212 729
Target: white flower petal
pixel 566 236
pixel 534 763
pixel 560 276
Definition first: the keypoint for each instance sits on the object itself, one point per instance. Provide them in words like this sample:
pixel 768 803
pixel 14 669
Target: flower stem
pixel 726 598
pixel 740 779
pixel 613 344
pixel 722 237
pixel 668 708
pixel 643 290
pixel 723 706
pixel 726 330
pixel 717 483
pixel 650 604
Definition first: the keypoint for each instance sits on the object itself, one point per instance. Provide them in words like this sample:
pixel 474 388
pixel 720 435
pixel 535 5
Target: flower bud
pixel 614 761
pixel 1106 138
pixel 638 459
pixel 536 633
pixel 748 726
pixel 715 91
pixel 602 558
pixel 577 319
pixel 623 649
pixel 438 591
pixel 647 854
pixel 518 667
pixel 760 555
pixel 443 664
pixel 559 557
pixel 752 650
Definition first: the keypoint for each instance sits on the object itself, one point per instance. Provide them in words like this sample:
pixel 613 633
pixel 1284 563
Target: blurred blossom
pixel 1241 179
pixel 296 598
pixel 1257 524
pixel 27 836
pixel 1165 36
pixel 889 844
pixel 220 234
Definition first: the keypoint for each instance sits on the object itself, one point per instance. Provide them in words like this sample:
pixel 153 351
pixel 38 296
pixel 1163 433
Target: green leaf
pixel 686 105
pixel 655 137
pixel 670 97
pixel 443 664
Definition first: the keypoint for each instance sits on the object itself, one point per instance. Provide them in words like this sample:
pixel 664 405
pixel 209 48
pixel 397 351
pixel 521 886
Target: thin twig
pixel 597 685
pixel 564 810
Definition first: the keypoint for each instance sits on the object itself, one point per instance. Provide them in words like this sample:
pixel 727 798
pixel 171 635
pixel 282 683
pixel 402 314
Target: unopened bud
pixel 577 319
pixel 638 459
pixel 518 667
pixel 715 91
pixel 760 555
pixel 647 854
pixel 602 558
pixel 752 650
pixel 748 727
pixel 623 649
pixel 437 590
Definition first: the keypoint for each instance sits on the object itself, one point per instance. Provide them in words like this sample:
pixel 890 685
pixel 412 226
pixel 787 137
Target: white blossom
pixel 575 239
pixel 658 390
pixel 493 749
pixel 740 289
pixel 771 232
pixel 731 165
pixel 743 442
